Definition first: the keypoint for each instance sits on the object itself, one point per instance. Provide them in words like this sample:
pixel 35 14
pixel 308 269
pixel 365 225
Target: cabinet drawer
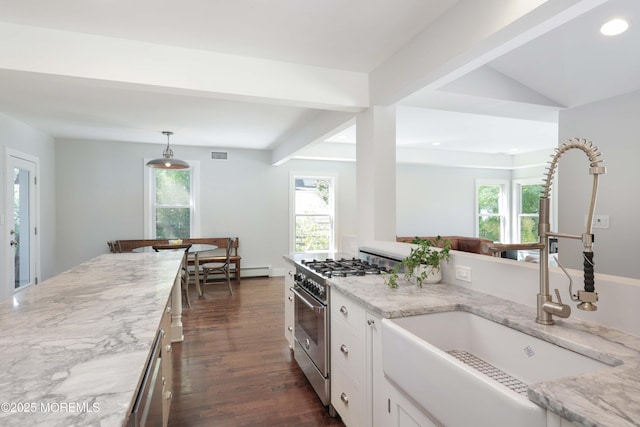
pixel 347 352
pixel 346 310
pixel 347 398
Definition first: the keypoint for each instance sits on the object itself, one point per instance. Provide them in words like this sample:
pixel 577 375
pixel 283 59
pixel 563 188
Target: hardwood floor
pixel 234 367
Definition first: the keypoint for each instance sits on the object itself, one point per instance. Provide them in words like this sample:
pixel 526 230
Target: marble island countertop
pixel 608 397
pixel 74 347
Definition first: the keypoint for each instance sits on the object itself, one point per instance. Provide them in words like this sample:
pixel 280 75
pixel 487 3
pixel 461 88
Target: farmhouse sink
pixel 463 369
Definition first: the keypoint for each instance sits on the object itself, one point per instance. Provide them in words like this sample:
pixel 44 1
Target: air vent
pixel 219 155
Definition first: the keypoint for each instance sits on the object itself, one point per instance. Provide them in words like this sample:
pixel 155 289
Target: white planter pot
pixel 433 275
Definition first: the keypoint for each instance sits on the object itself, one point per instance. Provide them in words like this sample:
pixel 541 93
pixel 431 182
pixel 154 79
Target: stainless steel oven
pixel 311 316
pixel 311 332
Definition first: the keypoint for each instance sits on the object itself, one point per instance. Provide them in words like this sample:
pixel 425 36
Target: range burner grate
pixel 343 267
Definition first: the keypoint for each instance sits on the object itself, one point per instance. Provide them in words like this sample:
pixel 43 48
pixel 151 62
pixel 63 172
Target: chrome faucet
pixel 546 307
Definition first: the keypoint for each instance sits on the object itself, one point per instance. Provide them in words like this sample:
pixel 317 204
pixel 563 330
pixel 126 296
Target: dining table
pixel 194 253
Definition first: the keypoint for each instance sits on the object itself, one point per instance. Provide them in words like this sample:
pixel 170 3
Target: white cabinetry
pixel 357 389
pixel 166 355
pixel 402 413
pixel 288 304
pixel 554 420
pixel 377 403
pixel 348 359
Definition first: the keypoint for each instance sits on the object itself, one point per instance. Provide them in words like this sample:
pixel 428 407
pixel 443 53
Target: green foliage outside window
pixel 312 233
pixel 173 198
pixel 313 209
pixel 489 219
pixel 489 228
pixel 530 203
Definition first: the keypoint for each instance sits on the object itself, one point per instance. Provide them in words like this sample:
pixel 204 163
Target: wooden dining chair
pixel 184 272
pixel 219 267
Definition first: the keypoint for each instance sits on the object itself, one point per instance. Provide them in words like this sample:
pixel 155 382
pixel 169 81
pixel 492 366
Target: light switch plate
pixel 463 273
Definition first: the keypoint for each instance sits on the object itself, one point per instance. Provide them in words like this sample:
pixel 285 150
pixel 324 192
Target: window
pixel 526 217
pixel 314 211
pixel 170 209
pixel 491 210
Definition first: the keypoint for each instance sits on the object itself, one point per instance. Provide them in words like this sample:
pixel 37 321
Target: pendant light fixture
pixel 167 161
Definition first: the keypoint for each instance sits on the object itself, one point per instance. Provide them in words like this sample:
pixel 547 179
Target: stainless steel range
pixel 311 315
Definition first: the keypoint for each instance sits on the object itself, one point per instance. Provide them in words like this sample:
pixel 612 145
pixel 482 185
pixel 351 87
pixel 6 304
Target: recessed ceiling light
pixel 614 27
pixel 435 143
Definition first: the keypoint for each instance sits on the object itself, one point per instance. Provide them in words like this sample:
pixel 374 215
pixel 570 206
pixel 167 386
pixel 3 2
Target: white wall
pixel 519 282
pixel 613 125
pixel 18 136
pixel 100 197
pixel 434 200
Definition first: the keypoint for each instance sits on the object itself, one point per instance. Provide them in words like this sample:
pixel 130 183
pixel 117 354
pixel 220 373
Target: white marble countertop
pixel 608 397
pixel 75 346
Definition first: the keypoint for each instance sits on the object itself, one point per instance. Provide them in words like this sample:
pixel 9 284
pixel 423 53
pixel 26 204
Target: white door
pixel 20 224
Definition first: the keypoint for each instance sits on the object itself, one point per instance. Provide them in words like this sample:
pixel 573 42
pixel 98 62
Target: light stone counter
pixel 74 347
pixel 609 397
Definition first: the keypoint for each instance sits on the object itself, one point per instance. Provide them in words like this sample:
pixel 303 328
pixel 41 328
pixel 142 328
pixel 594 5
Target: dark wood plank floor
pixel 235 368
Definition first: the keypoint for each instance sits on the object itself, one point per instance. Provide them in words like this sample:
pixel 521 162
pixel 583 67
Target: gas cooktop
pixel 343 267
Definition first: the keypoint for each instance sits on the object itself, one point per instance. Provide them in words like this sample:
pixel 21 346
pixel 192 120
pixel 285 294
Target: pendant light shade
pixel 167 161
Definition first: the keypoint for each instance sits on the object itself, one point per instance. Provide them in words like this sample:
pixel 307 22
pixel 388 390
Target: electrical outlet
pixel 601 221
pixel 463 273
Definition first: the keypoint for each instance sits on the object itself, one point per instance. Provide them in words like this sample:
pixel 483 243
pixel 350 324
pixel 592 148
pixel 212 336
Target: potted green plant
pixel 423 262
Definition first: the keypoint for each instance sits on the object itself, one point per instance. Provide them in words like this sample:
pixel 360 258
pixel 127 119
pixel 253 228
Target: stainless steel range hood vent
pixel 219 155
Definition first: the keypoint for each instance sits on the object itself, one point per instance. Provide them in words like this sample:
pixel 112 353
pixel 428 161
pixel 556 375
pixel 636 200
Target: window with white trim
pixel 526 197
pixel 492 204
pixel 313 214
pixel 170 203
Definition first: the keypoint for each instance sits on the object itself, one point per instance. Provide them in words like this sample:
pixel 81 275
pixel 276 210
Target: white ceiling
pixel 509 104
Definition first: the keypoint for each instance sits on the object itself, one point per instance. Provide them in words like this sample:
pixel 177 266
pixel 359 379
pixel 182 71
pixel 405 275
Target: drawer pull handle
pixel 290 328
pixel 344 349
pixel 344 310
pixel 344 398
pixel 168 395
pixel 371 322
pixel 290 297
pixel 168 347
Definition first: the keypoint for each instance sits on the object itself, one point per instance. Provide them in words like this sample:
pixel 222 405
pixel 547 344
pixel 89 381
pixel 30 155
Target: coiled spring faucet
pixel 547 308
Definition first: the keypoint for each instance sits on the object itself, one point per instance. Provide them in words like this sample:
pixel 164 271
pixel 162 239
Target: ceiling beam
pixel 466 37
pixel 325 125
pixel 176 69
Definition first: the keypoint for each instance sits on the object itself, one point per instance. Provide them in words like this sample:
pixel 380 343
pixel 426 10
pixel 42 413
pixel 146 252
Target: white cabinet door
pixel 402 413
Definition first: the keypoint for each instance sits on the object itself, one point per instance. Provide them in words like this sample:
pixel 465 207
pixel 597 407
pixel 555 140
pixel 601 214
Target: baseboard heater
pixel 255 271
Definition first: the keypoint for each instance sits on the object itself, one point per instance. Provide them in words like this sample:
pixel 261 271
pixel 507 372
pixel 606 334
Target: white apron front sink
pixel 422 357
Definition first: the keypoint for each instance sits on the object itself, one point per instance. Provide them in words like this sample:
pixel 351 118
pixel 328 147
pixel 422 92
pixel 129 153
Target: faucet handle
pixel 557 308
pixel 558 296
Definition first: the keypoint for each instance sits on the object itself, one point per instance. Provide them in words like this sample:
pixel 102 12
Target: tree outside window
pixel 172 203
pixel 491 215
pixel 528 215
pixel 314 214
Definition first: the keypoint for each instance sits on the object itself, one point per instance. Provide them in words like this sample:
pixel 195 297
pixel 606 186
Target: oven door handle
pixel 319 309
